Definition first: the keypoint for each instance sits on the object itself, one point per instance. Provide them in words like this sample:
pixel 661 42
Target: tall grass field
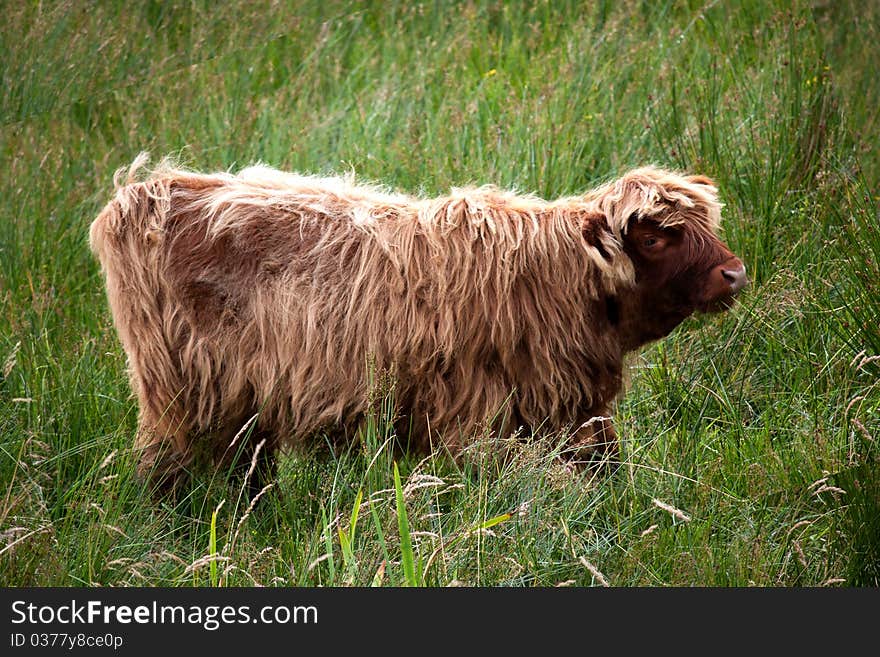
pixel 751 439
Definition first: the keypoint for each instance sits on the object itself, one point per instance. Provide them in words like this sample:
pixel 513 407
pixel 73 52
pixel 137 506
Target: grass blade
pixel 212 544
pixel 406 549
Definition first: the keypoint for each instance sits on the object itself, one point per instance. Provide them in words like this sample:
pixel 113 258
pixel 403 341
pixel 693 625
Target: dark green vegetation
pixel 762 426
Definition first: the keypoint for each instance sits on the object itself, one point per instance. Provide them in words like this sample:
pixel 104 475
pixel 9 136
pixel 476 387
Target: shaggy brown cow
pixel 271 293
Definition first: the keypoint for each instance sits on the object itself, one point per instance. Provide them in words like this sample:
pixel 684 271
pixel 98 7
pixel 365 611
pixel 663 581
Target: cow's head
pixel 667 225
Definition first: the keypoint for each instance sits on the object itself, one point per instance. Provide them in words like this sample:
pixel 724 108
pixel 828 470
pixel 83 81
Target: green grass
pixel 760 426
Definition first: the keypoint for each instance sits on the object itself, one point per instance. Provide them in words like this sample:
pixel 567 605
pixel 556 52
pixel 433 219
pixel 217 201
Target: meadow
pixel 751 439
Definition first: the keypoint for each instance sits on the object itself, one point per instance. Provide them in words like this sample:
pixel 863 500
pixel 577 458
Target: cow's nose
pixel 736 276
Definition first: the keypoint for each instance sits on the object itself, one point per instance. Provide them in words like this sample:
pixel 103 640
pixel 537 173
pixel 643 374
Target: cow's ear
pixel 598 234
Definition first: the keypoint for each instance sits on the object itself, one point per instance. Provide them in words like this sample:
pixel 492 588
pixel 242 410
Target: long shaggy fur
pixel 274 293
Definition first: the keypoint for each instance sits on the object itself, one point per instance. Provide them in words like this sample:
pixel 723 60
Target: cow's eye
pixel 648 242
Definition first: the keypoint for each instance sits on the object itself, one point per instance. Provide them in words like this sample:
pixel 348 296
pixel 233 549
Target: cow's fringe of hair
pixel 274 292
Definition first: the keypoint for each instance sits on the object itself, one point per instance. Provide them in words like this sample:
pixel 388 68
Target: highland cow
pixel 275 294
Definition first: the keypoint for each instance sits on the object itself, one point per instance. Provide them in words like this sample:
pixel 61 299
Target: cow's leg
pixel 594 443
pixel 264 462
pixel 250 453
pixel 162 445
